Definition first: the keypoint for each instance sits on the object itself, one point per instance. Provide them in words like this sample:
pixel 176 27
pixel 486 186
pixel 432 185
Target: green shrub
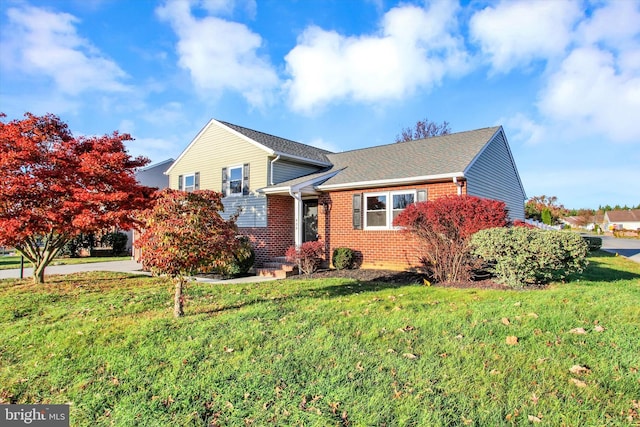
pixel 343 258
pixel 521 256
pixel 594 243
pixel 117 241
pixel 241 262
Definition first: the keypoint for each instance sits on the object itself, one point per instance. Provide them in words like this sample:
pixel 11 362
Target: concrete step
pixel 274 272
pixel 279 265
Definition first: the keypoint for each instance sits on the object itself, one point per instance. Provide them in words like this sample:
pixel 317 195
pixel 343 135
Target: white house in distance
pixel 628 219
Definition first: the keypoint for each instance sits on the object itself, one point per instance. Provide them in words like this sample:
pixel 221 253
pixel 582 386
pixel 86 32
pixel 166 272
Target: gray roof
pixel 422 159
pixel 282 145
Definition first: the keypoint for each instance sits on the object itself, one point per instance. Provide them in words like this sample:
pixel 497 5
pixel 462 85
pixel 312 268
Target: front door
pixel 309 220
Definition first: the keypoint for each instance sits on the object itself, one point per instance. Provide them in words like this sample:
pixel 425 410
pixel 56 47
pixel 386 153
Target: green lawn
pixel 326 352
pixel 9 262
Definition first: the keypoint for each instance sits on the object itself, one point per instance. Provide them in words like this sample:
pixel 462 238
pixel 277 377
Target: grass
pixel 325 352
pixel 10 262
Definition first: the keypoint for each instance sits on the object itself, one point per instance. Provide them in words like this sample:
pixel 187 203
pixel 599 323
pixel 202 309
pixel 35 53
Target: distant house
pixel 288 193
pixel 585 222
pixel 151 176
pixel 154 175
pixel 628 219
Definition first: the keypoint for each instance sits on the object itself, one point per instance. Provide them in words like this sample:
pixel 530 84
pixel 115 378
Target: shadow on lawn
pixel 352 287
pixel 598 271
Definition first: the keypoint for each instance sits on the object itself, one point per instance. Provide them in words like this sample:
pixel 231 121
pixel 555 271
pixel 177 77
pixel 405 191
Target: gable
pixel 214 148
pixel 493 174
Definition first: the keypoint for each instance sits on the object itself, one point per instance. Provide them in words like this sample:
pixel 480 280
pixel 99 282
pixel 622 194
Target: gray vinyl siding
pixel 493 175
pixel 253 210
pixel 284 170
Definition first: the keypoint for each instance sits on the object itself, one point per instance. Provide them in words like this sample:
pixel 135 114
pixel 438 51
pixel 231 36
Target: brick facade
pixel 273 240
pixel 390 249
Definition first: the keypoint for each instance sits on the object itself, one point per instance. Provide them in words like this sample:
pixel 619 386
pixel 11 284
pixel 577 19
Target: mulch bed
pixel 400 277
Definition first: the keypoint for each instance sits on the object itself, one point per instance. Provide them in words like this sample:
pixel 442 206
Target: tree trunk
pixel 38 273
pixel 178 300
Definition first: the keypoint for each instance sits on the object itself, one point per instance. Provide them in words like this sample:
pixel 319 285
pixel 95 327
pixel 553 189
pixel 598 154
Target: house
pixel 627 219
pixel 288 193
pixel 586 222
pixel 154 175
pixel 150 176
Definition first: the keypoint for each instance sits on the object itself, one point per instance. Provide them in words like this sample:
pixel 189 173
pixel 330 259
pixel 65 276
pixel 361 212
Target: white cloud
pixel 415 48
pixel 219 54
pixel 592 93
pixel 40 42
pixel 516 33
pixel 615 24
pixel 523 129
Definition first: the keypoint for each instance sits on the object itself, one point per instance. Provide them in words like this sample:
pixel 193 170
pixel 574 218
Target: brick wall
pixel 273 240
pixel 391 249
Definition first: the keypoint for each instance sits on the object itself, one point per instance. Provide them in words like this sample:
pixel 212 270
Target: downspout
pixel 458 184
pixel 297 208
pixel 271 172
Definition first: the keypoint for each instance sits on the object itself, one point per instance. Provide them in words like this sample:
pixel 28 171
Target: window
pixel 189 182
pixel 379 213
pixel 235 180
pixel 376 211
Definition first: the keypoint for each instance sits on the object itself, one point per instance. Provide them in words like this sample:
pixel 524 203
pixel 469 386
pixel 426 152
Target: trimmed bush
pixel 443 228
pixel 241 262
pixel 594 243
pixel 307 256
pixel 343 258
pixel 521 256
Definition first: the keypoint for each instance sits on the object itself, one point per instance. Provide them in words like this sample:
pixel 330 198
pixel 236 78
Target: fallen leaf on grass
pixel 410 356
pixel 598 328
pixel 228 349
pixel 577 369
pixel 534 399
pixel 534 419
pixel 505 321
pixel 532 314
pixel 578 331
pixel 578 383
pixel 512 340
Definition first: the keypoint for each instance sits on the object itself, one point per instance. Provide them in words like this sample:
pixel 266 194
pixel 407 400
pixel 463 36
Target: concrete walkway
pixel 116 266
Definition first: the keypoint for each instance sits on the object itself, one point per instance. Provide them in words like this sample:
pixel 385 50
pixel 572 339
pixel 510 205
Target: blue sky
pixel 562 77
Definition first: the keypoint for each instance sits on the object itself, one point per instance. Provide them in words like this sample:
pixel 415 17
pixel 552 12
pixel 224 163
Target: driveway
pixel 117 266
pixel 629 248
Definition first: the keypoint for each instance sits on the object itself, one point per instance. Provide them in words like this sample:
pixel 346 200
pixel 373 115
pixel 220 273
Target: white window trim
pixel 389 209
pixel 184 181
pixel 229 169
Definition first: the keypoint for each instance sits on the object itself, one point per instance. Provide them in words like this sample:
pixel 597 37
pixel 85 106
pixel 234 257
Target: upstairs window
pixel 235 180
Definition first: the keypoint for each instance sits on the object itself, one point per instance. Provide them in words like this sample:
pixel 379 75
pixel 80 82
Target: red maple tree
pixel 55 186
pixel 183 234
